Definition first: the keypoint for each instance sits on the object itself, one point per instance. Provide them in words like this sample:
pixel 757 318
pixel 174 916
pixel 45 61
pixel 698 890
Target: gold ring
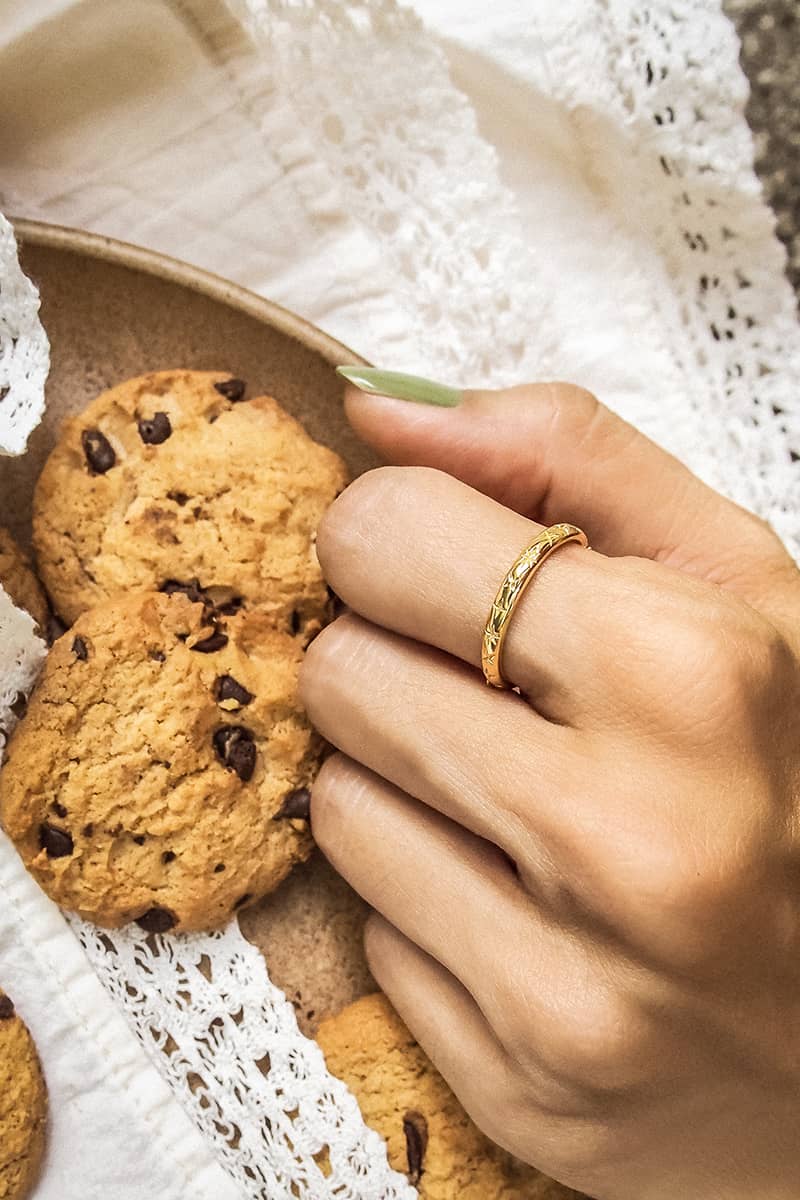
pixel 511 589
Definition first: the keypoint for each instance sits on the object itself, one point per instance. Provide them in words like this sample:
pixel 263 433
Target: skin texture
pixel 586 891
pixel 23 1106
pixel 231 496
pixel 18 579
pixel 369 1047
pixel 117 754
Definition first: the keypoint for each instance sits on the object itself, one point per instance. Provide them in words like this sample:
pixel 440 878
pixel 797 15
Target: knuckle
pixel 598 1045
pixel 590 427
pixel 359 517
pixel 316 662
pixel 342 527
pixel 324 664
pixel 687 898
pixel 574 405
pixel 721 660
pixel 590 1037
pixel 332 785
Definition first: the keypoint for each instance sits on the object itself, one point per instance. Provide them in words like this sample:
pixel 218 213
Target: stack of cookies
pixel 162 771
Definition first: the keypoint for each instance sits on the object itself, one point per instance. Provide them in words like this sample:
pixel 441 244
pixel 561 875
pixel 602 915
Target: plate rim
pixel 174 270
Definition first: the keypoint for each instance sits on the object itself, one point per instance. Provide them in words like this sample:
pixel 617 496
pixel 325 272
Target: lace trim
pixel 21 656
pixel 226 1039
pixel 672 84
pixel 24 350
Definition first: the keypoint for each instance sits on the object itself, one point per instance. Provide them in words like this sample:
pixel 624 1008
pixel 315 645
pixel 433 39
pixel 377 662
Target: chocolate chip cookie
pixel 161 772
pixel 429 1137
pixel 18 579
pixel 23 1106
pixel 178 476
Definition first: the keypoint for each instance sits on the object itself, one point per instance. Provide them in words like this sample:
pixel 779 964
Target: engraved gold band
pixel 510 591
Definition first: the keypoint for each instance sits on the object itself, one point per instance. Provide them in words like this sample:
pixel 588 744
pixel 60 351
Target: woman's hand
pixel 589 893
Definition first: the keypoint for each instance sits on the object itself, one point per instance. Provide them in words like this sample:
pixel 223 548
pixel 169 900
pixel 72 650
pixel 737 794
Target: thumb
pixel 552 452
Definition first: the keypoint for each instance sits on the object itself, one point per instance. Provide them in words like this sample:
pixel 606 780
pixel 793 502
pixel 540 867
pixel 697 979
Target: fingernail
pixel 401 387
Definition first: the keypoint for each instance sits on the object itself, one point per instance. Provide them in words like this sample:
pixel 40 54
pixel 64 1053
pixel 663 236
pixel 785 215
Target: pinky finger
pixel 448 1025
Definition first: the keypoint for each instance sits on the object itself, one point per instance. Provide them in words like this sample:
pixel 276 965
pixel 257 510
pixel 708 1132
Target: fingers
pixel 551 452
pixel 538 982
pixel 433 728
pixel 457 913
pixel 418 552
pixel 444 888
pixel 446 1022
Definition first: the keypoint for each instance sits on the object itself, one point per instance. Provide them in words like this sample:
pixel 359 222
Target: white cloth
pixel 115 1131
pixel 514 191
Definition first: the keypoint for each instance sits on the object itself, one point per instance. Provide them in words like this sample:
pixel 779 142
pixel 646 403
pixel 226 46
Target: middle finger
pixel 429 725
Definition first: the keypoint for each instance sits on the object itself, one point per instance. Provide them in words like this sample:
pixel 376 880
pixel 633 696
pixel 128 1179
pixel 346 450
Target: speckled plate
pixel 113 311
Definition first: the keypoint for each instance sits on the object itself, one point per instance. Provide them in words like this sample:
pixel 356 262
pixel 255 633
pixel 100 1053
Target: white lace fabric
pixel 494 195
pixel 227 1041
pixel 21 656
pixel 24 350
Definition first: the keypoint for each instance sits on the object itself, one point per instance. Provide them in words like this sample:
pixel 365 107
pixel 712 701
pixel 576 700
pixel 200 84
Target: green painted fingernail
pixel 401 387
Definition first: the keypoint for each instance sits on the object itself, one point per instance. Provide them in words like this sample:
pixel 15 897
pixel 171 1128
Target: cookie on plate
pixel 23 1106
pixel 429 1137
pixel 161 772
pixel 18 579
pixel 177 476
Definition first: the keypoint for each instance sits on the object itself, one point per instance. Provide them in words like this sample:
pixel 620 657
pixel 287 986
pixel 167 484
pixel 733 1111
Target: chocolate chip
pixel 191 589
pixel 157 920
pixel 98 450
pixel 157 655
pixel 214 641
pixel 231 389
pixel 168 856
pixel 88 830
pixel 415 1127
pixel 228 688
pixel 219 867
pixel 245 899
pixel 155 430
pixel 59 809
pixel 56 843
pixel 139 839
pixel 180 498
pixel 296 806
pixel 79 649
pixel 230 606
pixel 294 621
pixel 236 749
pixel 6 1008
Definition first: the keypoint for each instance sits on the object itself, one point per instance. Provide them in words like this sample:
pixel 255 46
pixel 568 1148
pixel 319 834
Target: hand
pixel 589 892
